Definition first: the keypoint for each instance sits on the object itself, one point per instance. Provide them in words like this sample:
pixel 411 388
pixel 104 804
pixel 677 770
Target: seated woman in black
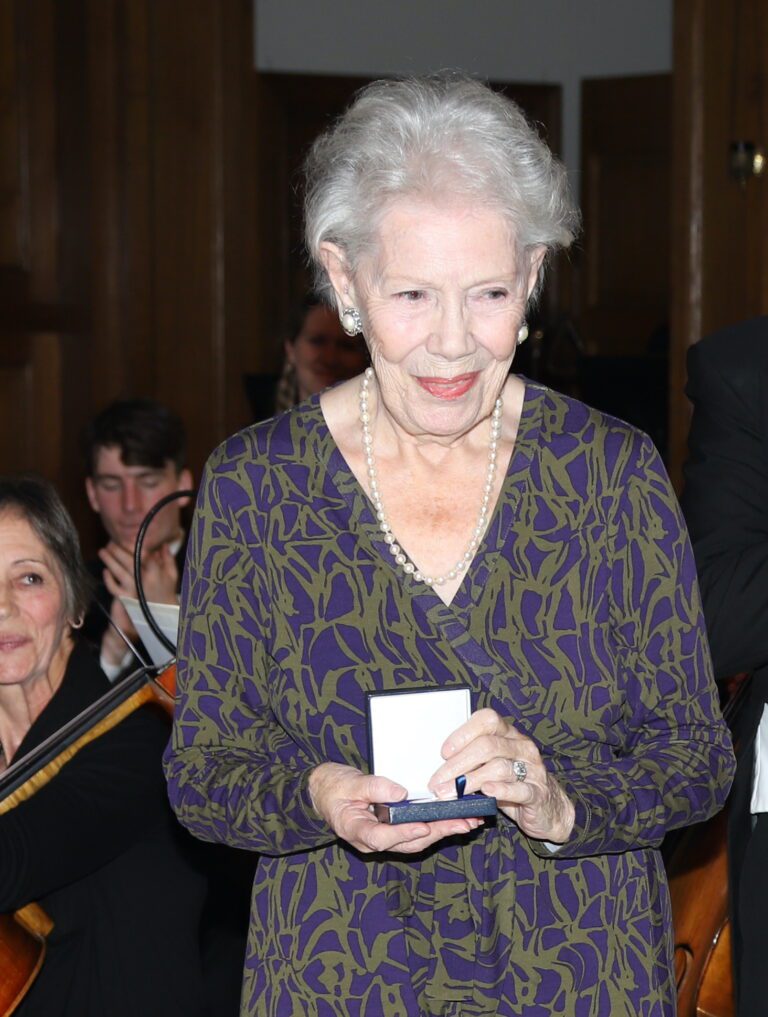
pixel 96 846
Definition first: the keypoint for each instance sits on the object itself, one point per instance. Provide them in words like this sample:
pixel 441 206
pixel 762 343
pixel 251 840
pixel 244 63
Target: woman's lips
pixel 8 643
pixel 448 388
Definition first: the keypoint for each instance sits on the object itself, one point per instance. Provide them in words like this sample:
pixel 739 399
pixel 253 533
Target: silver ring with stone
pixel 519 769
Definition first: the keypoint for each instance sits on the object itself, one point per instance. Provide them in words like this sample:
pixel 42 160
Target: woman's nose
pixel 6 600
pixel 452 336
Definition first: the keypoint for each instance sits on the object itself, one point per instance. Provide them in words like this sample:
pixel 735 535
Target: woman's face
pixel 322 353
pixel 442 301
pixel 32 606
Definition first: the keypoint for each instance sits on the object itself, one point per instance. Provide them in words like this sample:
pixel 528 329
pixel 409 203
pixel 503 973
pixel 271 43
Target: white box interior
pixel 408 730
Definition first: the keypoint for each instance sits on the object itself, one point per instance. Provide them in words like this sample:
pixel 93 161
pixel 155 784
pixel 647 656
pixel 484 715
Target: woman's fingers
pixel 498 760
pixel 488 747
pixel 482 723
pixel 344 797
pixel 550 817
pixel 368 835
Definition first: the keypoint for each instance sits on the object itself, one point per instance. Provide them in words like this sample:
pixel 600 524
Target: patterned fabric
pixel 579 620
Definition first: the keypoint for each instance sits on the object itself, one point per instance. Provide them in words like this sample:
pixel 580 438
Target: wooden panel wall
pixel 719 238
pixel 34 399
pixel 142 250
pixel 129 221
pixel 149 240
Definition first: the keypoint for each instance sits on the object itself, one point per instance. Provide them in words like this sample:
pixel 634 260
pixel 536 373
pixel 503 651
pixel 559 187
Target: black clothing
pixel 725 502
pixel 98 848
pixel 753 894
pixel 229 872
pixel 261 393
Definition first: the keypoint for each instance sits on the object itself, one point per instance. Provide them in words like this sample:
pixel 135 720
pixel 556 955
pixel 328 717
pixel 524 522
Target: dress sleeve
pixel 97 807
pixel 235 775
pixel 676 762
pixel 725 502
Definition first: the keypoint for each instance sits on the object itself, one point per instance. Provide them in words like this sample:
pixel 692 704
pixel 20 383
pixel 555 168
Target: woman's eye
pixel 496 294
pixel 31 579
pixel 411 296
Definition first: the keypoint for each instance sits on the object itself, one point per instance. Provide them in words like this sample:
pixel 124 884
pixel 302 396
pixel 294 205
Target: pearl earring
pixel 351 321
pixel 522 334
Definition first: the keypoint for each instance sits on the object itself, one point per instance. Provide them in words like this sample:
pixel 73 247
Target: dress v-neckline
pixel 363 518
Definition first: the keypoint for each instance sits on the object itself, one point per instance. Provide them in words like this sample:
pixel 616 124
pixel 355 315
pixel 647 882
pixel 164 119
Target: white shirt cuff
pixel 113 670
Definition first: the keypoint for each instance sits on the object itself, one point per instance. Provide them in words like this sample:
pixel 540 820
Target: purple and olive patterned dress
pixel 579 619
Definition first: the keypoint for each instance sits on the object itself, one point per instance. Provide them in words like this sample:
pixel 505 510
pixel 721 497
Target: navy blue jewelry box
pixel 430 809
pixel 405 732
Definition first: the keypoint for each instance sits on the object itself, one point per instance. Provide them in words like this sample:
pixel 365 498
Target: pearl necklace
pixel 482 520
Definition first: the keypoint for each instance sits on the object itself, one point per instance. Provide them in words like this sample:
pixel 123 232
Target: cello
pixel 697 870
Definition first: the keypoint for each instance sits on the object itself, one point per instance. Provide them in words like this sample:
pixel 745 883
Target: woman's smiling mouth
pixel 448 388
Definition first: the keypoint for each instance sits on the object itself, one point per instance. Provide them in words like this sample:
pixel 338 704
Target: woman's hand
pixel 343 795
pixel 485 750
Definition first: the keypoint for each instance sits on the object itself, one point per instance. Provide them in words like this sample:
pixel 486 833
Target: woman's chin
pixel 449 419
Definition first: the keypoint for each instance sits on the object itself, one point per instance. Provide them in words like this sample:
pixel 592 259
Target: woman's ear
pixel 536 258
pixel 335 264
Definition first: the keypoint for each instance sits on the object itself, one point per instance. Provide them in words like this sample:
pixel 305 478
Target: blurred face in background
pixel 322 353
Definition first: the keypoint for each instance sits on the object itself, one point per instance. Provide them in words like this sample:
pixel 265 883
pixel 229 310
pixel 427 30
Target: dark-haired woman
pixel 96 846
pixel 317 354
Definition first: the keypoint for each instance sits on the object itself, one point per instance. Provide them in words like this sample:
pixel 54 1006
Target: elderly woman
pixel 439 522
pixel 96 846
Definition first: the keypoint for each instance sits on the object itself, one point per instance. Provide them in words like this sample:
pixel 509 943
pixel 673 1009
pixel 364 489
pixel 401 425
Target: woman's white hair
pixel 437 137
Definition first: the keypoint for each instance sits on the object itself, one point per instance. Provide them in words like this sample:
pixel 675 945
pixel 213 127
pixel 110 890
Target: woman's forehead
pixel 420 236
pixel 19 537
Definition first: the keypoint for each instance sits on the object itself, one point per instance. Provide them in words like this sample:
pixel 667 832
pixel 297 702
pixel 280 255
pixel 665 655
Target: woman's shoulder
pixel 277 441
pixel 566 415
pixel 261 464
pixel 583 439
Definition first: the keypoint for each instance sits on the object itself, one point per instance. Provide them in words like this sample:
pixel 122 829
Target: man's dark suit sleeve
pixel 725 499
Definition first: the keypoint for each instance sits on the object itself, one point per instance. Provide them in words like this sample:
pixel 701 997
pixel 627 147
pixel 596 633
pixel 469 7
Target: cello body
pixel 697 870
pixel 22 951
pixel 698 886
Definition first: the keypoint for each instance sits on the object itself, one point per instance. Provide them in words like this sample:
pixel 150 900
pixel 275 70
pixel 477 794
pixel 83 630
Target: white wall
pixel 545 41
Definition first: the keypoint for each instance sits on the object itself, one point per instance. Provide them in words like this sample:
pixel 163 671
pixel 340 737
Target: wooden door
pixel 625 198
pixel 719 237
pixel 623 318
